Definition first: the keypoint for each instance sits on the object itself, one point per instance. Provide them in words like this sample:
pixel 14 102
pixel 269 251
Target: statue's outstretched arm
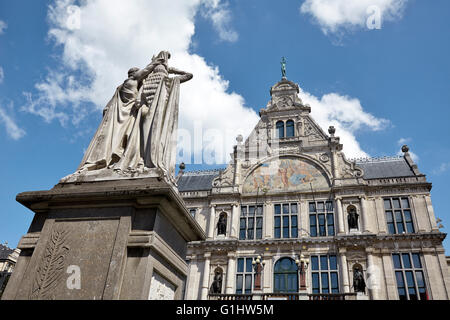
pixel 185 76
pixel 143 73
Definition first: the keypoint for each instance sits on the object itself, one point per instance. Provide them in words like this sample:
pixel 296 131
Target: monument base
pixel 111 239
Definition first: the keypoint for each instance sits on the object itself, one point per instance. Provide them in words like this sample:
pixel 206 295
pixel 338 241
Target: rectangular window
pixel 193 212
pixel 286 220
pixel 398 215
pixel 244 276
pixel 324 274
pixel 321 219
pixel 251 222
pixel 410 277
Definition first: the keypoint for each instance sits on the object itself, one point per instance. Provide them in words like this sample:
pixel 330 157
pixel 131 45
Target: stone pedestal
pixel 361 296
pixel 116 239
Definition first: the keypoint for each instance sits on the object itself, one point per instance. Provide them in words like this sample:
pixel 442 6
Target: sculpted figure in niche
pixel 222 224
pixel 216 286
pixel 352 218
pixel 358 280
pixel 139 124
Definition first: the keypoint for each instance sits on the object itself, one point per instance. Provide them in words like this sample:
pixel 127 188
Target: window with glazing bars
pixel 251 222
pixel 324 274
pixel 410 276
pixel 244 276
pixel 286 220
pixel 398 215
pixel 321 218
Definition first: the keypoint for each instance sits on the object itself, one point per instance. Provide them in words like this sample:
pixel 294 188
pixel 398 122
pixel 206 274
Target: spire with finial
pixel 283 68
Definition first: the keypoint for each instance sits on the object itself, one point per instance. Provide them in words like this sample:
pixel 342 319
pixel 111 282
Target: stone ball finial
pixel 405 148
pixel 239 138
pixel 331 130
pixel 182 166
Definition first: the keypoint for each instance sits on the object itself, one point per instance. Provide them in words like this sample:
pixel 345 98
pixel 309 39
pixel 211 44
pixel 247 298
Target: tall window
pixel 410 276
pixel 324 274
pixel 285 276
pixel 251 222
pixel 244 276
pixel 286 220
pixel 280 129
pixel 289 128
pixel 398 215
pixel 193 212
pixel 321 218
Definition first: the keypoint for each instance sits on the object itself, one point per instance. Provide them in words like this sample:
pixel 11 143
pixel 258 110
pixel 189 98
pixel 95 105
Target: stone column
pixel 268 218
pixel 212 219
pixel 234 230
pixel 231 272
pixel 389 275
pixel 363 217
pixel 344 270
pixel 380 215
pixel 341 228
pixel 303 219
pixel 373 276
pixel 267 273
pixel 431 215
pixel 440 255
pixel 205 280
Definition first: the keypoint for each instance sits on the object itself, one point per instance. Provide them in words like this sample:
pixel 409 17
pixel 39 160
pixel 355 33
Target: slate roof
pixel 5 252
pixel 385 167
pixel 197 180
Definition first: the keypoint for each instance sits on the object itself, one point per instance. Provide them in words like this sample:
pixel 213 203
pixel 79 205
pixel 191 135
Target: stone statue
pixel 138 130
pixel 222 224
pixel 352 218
pixel 358 281
pixel 216 286
pixel 283 67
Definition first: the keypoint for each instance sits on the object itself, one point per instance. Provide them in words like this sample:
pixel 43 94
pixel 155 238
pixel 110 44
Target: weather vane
pixel 283 67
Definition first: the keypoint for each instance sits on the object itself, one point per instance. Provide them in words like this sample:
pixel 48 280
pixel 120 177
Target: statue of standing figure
pixel 358 280
pixel 283 67
pixel 139 125
pixel 352 218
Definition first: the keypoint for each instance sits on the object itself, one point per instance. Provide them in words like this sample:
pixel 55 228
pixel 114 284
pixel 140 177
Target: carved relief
pixel 310 131
pixel 52 267
pixel 225 178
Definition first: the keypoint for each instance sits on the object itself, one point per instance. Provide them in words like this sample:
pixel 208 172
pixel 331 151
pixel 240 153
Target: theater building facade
pixel 292 218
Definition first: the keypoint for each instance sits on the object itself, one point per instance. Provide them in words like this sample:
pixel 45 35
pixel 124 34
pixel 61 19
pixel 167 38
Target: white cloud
pixel 403 141
pixel 2 75
pixel 12 129
pixel 444 167
pixel 346 115
pixel 3 26
pixel 220 16
pixel 335 16
pixel 110 37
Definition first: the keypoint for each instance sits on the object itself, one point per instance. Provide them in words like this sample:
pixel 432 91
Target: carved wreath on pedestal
pixel 52 266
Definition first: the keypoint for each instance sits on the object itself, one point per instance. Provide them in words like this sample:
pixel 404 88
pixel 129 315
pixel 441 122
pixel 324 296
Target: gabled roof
pixel 388 167
pixel 197 180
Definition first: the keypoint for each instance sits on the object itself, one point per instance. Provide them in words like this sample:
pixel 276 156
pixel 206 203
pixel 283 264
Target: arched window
pixel 280 129
pixel 222 224
pixel 285 276
pixel 289 128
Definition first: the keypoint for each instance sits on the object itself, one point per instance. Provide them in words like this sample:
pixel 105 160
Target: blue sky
pixel 380 87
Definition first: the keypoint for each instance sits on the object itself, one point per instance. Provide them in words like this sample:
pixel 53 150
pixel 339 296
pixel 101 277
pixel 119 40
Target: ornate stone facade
pixel 288 193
